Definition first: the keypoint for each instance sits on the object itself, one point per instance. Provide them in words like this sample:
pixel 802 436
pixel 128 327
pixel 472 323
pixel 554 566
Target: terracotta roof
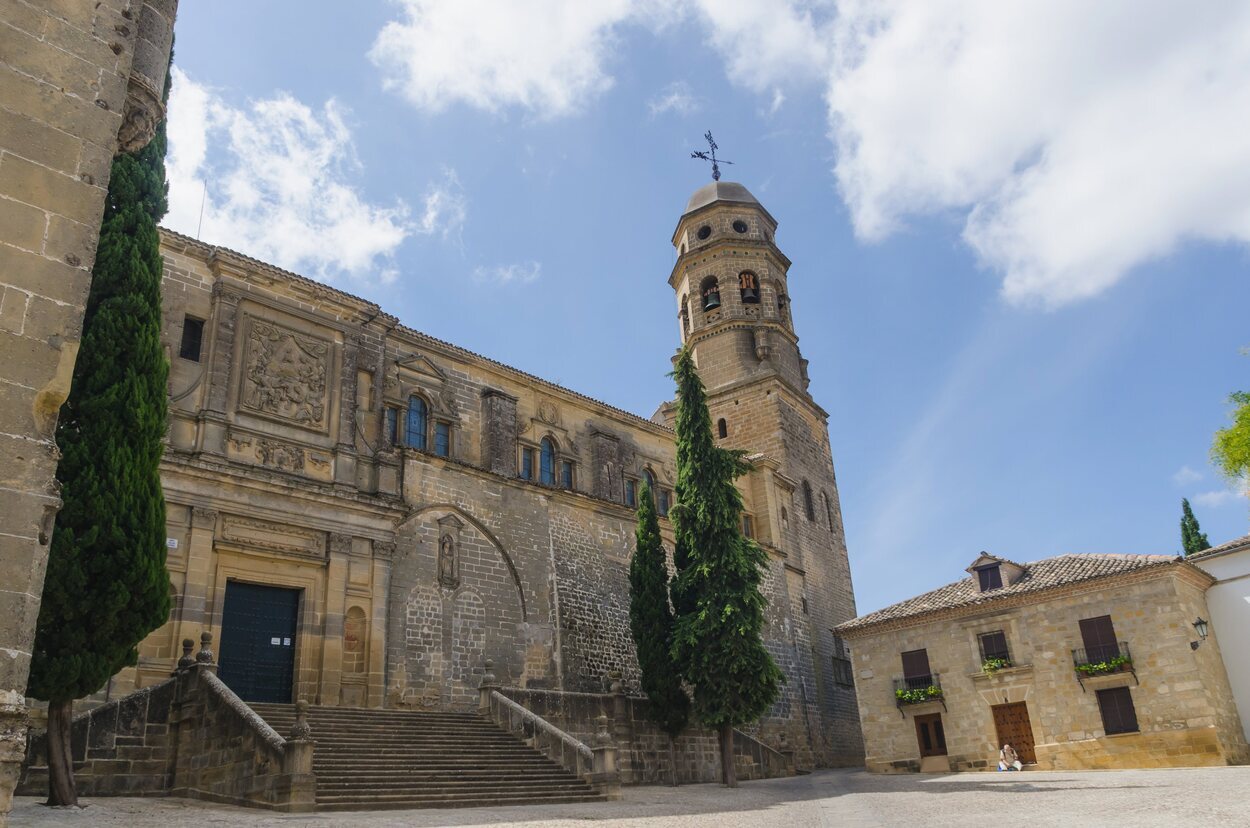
pixel 1234 545
pixel 413 332
pixel 1038 575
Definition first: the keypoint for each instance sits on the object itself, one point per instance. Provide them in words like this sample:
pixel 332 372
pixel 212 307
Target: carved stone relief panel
pixel 274 537
pixel 279 455
pixel 285 375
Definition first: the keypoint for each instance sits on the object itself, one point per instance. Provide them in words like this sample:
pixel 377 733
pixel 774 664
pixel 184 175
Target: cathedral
pixel 363 515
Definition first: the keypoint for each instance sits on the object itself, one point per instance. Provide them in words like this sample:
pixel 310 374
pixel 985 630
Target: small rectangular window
pixel 192 338
pixel 527 463
pixel 442 439
pixel 991 577
pixel 748 526
pixel 390 427
pixel 664 502
pixel 994 645
pixel 1098 636
pixel 842 671
pixel 631 493
pixel 1118 713
pixel 566 474
pixel 916 664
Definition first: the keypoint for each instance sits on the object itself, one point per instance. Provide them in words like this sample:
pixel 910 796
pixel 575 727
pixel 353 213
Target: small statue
pixel 447 562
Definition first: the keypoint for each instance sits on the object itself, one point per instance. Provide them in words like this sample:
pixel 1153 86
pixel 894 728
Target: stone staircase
pixel 373 759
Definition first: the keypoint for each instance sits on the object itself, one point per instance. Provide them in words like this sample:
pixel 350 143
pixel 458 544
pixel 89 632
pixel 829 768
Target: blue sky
pixel 1019 231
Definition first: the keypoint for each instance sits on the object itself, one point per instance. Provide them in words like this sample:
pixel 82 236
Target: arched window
pixel 649 478
pixel 711 294
pixel 808 506
pixel 749 287
pixel 547 463
pixel 414 428
pixel 685 317
pixel 722 428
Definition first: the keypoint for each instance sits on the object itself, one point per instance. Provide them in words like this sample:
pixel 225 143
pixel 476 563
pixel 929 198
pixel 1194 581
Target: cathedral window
pixel 566 474
pixel 666 498
pixel 414 428
pixel 631 492
pixel 547 463
pixel 749 287
pixel 192 338
pixel 442 439
pixel 527 463
pixel 808 507
pixel 722 428
pixel 649 479
pixel 711 294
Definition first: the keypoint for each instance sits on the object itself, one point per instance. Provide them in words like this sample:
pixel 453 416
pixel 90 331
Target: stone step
pixel 365 776
pixel 477 786
pixel 348 804
pixel 518 766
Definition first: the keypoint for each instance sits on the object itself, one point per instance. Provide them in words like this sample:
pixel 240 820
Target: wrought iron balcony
pixel 917 689
pixel 1102 661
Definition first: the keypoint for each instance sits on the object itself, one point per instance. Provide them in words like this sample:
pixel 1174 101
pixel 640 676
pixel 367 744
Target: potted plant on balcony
pixel 993 664
pixel 1114 664
pixel 915 695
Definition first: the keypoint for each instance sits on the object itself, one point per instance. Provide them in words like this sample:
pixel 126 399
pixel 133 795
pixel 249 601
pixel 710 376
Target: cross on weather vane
pixel 711 156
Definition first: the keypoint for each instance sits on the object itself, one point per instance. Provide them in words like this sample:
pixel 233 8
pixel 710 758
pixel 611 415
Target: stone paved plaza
pixel 1140 798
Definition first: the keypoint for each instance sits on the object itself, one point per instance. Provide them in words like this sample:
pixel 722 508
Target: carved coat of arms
pixel 285 375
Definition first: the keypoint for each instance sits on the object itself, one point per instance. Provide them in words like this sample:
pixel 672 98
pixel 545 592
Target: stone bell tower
pixel 733 301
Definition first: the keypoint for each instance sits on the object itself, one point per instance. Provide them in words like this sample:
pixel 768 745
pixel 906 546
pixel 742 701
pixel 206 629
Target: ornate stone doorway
pixel 258 641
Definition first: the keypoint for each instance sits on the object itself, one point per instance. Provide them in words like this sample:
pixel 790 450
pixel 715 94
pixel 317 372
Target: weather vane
pixel 711 156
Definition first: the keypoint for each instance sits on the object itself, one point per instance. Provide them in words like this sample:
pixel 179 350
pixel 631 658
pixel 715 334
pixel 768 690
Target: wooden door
pixel 1013 726
pixel 258 634
pixel 930 736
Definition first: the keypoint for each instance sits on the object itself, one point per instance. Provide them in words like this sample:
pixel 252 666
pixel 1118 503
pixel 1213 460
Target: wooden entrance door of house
pixel 930 735
pixel 258 641
pixel 1013 726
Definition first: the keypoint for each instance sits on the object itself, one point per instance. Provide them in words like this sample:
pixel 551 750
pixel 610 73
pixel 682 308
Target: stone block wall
pixel 1182 698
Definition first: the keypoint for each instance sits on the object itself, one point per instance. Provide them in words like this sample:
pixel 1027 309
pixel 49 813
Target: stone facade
pixel 419 556
pixel 1181 697
pixel 1229 601
pixel 78 81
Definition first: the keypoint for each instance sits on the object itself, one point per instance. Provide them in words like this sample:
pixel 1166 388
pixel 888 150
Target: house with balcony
pixel 1077 661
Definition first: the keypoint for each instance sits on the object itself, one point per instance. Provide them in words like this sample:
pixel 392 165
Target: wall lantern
pixel 1200 626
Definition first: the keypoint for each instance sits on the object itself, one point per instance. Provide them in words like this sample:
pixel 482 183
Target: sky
pixel 1019 230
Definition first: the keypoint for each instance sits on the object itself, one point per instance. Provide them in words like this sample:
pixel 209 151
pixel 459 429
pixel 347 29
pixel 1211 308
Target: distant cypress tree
pixel 651 622
pixel 1193 539
pixel 716 590
pixel 106 585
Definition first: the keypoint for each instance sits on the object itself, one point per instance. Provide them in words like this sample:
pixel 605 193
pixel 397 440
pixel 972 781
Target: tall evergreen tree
pixel 1193 539
pixel 106 585
pixel 651 622
pixel 716 589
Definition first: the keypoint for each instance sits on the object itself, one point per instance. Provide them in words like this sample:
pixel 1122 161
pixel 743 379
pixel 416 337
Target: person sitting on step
pixel 1008 760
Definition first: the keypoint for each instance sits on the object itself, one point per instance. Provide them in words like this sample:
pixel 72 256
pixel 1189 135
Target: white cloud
pixel 545 56
pixel 1081 139
pixel 1215 499
pixel 445 207
pixel 279 184
pixel 1185 475
pixel 767 43
pixel 676 97
pixel 520 274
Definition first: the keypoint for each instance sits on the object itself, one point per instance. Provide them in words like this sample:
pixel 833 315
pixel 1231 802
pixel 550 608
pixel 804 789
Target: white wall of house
pixel 1229 602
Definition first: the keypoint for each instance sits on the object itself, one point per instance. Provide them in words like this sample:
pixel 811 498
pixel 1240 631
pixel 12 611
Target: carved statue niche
pixel 448 551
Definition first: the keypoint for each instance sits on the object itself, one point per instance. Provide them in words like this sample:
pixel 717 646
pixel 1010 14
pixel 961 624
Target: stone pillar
pixel 383 555
pixel 604 776
pixel 335 607
pixel 345 450
pixel 193 613
pixel 212 438
pixel 499 432
pixel 299 785
pixel 488 684
pixel 66 72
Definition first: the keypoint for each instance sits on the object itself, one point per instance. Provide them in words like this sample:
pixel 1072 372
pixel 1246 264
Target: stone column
pixel 68 74
pixel 499 432
pixel 383 556
pixel 335 607
pixel 212 437
pixel 193 614
pixel 345 450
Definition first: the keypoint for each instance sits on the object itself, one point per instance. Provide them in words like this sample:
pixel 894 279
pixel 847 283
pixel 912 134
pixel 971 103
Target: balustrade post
pixel 297 764
pixel 488 684
pixel 603 773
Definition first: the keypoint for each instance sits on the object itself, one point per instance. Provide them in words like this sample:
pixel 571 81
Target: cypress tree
pixel 716 589
pixel 651 622
pixel 106 585
pixel 1193 539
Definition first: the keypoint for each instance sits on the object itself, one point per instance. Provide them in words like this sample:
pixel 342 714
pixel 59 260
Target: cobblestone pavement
pixel 1139 798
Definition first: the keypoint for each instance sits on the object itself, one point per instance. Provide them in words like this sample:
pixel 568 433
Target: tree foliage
pixel 1193 539
pixel 716 589
pixel 651 622
pixel 1230 450
pixel 106 586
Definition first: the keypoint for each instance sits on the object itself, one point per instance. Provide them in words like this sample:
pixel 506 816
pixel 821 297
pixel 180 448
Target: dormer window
pixel 990 577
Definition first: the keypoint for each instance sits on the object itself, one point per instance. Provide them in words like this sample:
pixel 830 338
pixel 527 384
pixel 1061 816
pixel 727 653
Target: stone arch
pixel 486 533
